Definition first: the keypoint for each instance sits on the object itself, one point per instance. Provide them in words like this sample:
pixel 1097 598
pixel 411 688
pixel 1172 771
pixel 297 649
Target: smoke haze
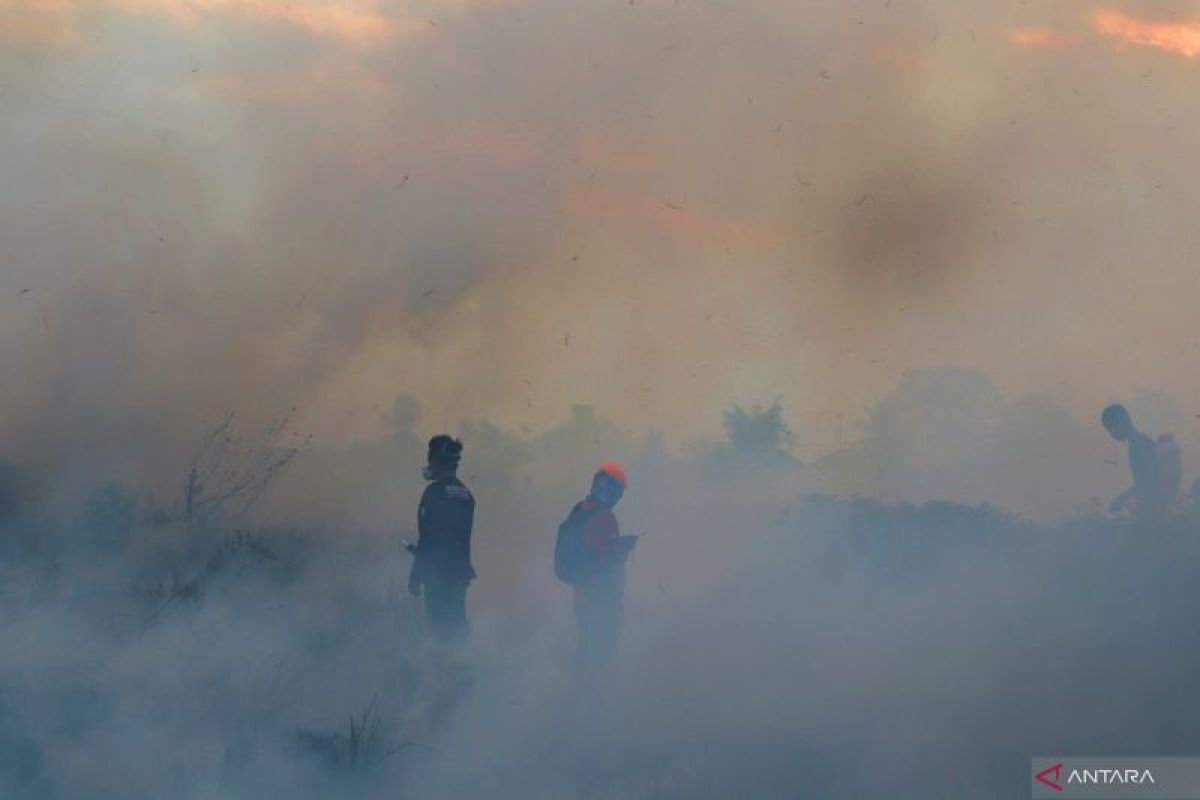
pixel 908 249
pixel 655 208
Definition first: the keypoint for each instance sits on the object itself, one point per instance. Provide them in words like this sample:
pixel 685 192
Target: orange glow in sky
pixel 1181 38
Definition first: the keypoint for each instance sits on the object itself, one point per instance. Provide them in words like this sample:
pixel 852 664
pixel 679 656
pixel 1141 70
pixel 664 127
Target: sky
pixel 656 207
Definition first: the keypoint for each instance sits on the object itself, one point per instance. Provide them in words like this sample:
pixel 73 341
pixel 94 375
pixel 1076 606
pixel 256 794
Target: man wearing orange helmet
pixel 590 555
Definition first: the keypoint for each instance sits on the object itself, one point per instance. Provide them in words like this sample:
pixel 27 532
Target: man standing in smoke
pixel 590 555
pixel 1156 466
pixel 442 557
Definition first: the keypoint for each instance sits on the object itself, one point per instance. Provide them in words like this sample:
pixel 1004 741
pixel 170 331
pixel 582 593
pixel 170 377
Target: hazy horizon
pixel 655 208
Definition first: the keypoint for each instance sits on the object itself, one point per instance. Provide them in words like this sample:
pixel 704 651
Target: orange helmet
pixel 613 470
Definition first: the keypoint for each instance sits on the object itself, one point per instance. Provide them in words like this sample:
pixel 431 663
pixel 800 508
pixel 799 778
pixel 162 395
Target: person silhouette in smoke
pixel 590 555
pixel 1155 465
pixel 441 566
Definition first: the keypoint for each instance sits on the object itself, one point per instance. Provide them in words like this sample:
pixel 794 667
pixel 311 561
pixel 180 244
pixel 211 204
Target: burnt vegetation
pixel 291 653
pixel 230 472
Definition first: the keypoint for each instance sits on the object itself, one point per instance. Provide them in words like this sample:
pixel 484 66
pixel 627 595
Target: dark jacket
pixel 1149 484
pixel 444 522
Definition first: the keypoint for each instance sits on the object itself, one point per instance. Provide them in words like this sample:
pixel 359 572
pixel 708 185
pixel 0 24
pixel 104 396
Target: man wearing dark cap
pixel 441 567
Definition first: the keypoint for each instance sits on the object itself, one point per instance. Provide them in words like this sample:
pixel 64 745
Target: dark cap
pixel 1116 417
pixel 445 449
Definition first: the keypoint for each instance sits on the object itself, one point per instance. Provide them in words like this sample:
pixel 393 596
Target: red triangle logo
pixel 1044 777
